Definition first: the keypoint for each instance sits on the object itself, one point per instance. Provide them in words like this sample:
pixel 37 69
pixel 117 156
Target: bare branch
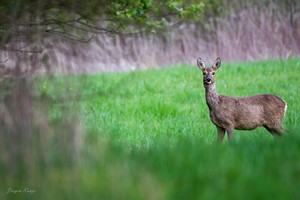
pixel 19 50
pixel 68 36
pixel 4 61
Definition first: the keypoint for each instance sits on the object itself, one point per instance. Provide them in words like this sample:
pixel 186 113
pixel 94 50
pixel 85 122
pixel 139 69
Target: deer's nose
pixel 208 79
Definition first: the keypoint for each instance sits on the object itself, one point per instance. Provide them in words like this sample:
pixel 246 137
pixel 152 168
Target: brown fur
pixel 244 113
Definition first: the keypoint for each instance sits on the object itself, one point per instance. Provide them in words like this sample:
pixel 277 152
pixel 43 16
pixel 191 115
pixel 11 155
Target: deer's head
pixel 208 73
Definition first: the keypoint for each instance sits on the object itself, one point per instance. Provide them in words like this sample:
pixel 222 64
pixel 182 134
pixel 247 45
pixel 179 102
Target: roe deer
pixel 244 113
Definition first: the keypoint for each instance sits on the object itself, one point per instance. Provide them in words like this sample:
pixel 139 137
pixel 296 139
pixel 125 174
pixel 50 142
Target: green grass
pixel 137 108
pixel 147 135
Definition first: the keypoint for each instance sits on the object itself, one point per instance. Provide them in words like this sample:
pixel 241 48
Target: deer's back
pixel 248 112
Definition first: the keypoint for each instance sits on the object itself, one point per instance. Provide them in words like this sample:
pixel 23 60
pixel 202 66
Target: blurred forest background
pixel 74 36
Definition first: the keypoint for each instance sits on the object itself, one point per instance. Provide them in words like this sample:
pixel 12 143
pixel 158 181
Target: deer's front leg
pixel 221 134
pixel 230 134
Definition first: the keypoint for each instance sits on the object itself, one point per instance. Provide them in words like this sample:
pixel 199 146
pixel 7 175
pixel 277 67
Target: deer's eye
pixel 213 73
pixel 204 73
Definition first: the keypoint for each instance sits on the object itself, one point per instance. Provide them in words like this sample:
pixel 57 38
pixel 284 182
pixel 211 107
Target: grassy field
pixel 147 135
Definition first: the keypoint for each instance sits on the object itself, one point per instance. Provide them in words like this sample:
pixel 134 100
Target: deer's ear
pixel 217 64
pixel 201 64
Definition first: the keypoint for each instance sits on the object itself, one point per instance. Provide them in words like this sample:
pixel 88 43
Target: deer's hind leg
pixel 275 129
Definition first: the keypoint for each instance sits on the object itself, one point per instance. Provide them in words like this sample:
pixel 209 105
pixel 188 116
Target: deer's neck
pixel 212 97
